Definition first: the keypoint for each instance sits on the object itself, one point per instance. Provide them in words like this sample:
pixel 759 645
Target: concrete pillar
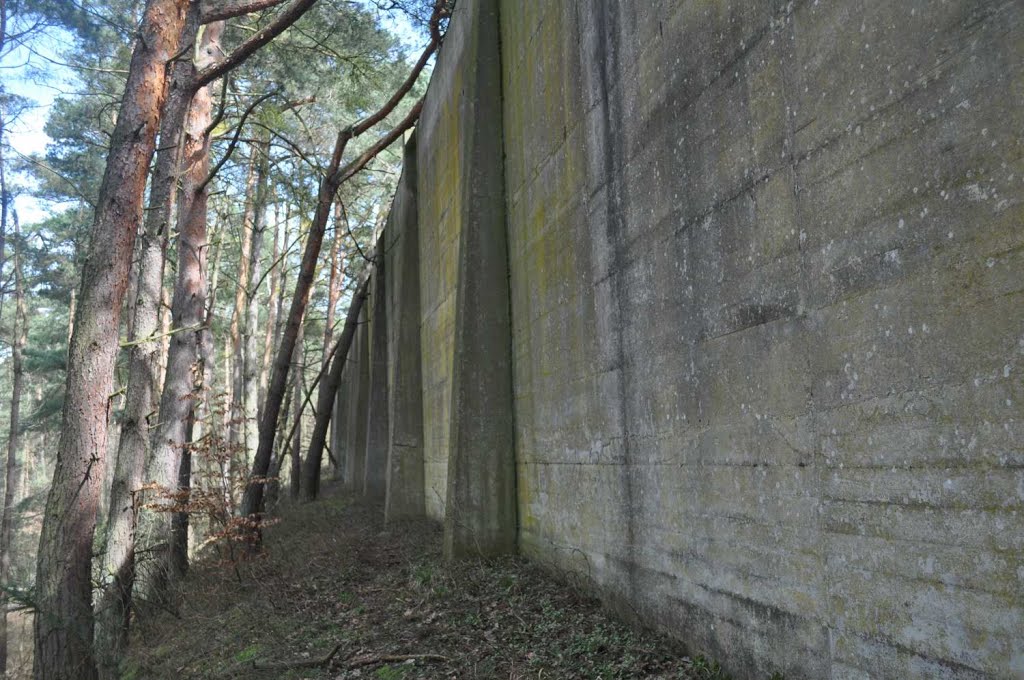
pixel 405 482
pixel 377 394
pixel 480 517
pixel 358 370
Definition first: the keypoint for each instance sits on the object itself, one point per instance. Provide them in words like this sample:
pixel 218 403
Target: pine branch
pixel 211 12
pixel 289 16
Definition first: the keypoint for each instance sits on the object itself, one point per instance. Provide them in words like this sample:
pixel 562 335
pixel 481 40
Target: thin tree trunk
pixel 227 471
pixel 274 482
pixel 5 197
pixel 179 520
pixel 63 625
pixel 333 283
pixel 72 311
pixel 251 365
pixel 252 501
pixel 328 389
pixel 272 308
pixel 165 326
pixel 299 362
pixel 334 286
pixel 241 289
pixel 188 314
pixel 10 487
pixel 118 566
pixel 204 412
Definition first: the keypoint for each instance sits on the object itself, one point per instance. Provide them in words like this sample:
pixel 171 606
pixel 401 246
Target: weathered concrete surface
pixel 375 472
pixel 358 368
pixel 405 484
pixel 438 156
pixel 465 336
pixel 766 269
pixel 766 293
pixel 480 508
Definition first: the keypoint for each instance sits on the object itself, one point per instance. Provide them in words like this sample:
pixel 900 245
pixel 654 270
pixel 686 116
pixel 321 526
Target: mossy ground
pixel 334 575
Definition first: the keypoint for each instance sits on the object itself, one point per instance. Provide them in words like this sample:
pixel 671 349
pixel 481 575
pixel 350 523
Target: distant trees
pixel 235 109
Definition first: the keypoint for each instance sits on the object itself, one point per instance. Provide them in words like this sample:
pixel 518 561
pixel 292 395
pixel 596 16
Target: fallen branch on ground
pixel 394 658
pixel 305 663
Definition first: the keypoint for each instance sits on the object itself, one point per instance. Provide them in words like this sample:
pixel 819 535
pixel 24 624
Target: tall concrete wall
pixel 440 220
pixel 766 275
pixel 405 483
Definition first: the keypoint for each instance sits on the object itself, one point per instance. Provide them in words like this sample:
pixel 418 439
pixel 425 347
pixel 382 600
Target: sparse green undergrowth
pixel 334 578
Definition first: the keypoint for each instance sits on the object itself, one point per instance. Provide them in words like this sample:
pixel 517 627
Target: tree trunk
pixel 334 286
pixel 272 306
pixel 333 283
pixel 252 500
pixel 299 365
pixel 274 474
pixel 10 487
pixel 72 311
pixel 165 326
pixel 250 359
pixel 238 314
pixel 179 520
pixel 63 625
pixel 5 197
pixel 118 566
pixel 183 377
pixel 325 398
pixel 206 412
pixel 227 471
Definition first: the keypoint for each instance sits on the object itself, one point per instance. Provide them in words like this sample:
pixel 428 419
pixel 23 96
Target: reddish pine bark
pixel 63 627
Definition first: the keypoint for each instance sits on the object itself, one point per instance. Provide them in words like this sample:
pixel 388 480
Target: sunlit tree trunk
pixel 227 468
pixel 238 314
pixel 72 311
pixel 188 315
pixel 13 439
pixel 273 304
pixel 250 358
pixel 118 565
pixel 165 326
pixel 335 259
pixel 63 625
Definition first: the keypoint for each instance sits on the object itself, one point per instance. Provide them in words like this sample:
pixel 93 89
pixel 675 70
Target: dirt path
pixel 387 606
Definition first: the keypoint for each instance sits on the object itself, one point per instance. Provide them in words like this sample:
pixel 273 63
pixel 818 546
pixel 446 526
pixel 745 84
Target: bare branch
pixel 359 163
pixel 234 140
pixel 365 124
pixel 285 19
pixel 212 11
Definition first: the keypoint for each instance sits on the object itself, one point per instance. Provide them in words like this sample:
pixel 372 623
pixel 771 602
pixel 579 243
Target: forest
pixel 173 314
